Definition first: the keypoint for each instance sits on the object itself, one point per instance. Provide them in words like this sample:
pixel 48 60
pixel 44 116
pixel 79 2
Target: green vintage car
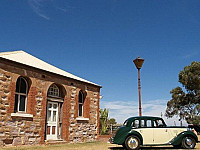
pixel 152 131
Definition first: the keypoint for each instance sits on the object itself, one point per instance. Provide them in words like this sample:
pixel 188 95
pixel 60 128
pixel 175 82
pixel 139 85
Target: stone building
pixel 41 103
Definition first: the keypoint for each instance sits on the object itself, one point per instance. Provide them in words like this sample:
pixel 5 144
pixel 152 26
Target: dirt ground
pixel 84 146
pixel 99 145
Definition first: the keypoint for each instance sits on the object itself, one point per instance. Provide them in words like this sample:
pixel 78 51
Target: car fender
pixel 121 135
pixel 136 133
pixel 178 139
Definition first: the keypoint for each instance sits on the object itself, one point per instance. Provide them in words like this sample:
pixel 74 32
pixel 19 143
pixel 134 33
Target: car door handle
pixel 166 130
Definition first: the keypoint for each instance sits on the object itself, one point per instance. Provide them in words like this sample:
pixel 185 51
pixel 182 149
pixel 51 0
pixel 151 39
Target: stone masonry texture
pixel 31 130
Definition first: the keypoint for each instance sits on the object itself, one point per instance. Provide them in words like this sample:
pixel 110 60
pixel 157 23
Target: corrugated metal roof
pixel 27 59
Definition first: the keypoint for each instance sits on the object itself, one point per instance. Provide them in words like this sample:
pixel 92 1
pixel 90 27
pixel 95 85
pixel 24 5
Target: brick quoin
pixel 76 104
pixel 98 115
pixel 86 107
pixel 31 101
pixel 65 121
pixel 11 98
pixel 43 119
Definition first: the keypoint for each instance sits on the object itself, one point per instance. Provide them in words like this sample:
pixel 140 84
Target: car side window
pixel 135 124
pixel 158 123
pixel 142 123
pixel 149 123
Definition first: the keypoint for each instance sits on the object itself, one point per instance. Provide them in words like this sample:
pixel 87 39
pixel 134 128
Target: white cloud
pixel 190 55
pixel 37 5
pixel 121 110
pixel 61 9
pixel 43 7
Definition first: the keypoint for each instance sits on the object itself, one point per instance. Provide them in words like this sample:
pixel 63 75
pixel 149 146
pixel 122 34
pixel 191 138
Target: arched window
pixel 80 104
pixel 53 91
pixel 21 94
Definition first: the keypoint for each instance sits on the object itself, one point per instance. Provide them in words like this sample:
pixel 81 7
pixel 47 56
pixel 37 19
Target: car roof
pixel 143 117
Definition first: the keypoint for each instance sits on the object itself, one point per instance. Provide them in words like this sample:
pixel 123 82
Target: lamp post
pixel 138 63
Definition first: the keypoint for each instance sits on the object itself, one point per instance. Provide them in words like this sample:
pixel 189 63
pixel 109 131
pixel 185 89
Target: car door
pixel 146 131
pixel 160 133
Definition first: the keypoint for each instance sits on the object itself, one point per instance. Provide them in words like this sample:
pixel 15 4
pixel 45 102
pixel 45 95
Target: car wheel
pixel 132 142
pixel 188 142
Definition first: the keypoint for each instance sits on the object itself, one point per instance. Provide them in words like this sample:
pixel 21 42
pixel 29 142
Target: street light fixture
pixel 138 63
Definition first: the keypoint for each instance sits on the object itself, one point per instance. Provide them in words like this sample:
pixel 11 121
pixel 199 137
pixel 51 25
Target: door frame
pixel 60 102
pixel 52 123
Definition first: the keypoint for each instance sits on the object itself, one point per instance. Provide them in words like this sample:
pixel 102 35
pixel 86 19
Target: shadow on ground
pixel 149 148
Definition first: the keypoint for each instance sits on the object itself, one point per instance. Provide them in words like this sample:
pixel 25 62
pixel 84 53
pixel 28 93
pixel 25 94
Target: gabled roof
pixel 29 60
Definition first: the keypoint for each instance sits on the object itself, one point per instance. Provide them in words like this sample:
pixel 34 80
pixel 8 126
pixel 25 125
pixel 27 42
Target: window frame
pixel 53 86
pixel 157 125
pixel 21 94
pixel 150 123
pixel 143 123
pixel 134 124
pixel 80 103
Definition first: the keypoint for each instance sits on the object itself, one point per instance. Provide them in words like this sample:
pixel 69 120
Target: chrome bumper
pixel 111 140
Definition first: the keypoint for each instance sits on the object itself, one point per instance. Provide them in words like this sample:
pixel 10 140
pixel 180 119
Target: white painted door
pixel 161 136
pixel 52 120
pixel 147 135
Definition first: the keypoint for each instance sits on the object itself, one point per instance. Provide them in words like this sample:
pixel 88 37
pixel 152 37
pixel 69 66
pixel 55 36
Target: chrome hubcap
pixel 188 141
pixel 132 143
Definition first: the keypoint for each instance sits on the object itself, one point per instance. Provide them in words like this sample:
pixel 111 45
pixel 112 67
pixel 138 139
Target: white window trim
pixel 82 103
pixel 54 87
pixel 82 119
pixel 23 115
pixel 79 110
pixel 19 94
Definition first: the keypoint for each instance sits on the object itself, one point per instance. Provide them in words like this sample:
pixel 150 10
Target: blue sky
pixel 97 40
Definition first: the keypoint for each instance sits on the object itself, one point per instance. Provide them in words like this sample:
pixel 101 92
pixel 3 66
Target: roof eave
pixel 52 72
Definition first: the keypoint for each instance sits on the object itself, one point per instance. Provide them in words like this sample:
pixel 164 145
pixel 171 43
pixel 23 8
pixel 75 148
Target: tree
pixel 104 120
pixel 185 102
pixel 112 121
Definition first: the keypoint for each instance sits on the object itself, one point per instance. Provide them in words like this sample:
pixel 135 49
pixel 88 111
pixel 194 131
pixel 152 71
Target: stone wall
pixel 17 130
pixel 5 81
pixel 82 130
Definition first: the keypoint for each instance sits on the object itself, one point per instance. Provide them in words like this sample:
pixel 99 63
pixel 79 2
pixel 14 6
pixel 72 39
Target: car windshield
pixel 125 123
